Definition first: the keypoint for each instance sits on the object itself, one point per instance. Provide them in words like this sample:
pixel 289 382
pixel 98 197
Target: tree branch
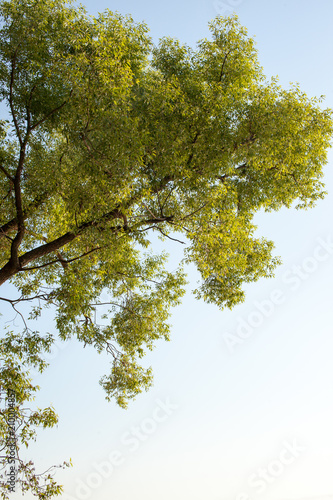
pixel 11 104
pixel 190 158
pixel 61 260
pixel 28 299
pixel 19 211
pixel 7 174
pixel 18 264
pixel 11 268
pixel 169 237
pixel 48 116
pixel 195 211
pixel 224 61
pixel 12 224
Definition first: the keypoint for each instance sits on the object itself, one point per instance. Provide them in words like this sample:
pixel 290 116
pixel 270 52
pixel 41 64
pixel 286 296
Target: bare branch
pixel 148 209
pixel 28 299
pixel 22 317
pixel 169 237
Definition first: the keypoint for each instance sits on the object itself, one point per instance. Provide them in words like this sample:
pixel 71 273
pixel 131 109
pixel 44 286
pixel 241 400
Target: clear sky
pixel 224 421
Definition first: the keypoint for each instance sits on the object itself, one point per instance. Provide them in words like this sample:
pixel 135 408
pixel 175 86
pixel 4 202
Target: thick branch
pixel 11 268
pixel 19 211
pixel 190 158
pixel 11 104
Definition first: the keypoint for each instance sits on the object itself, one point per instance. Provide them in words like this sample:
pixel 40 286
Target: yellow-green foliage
pixel 110 140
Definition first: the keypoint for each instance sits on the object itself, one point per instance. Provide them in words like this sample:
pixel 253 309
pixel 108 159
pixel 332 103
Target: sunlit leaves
pixel 117 145
pixel 112 141
pixel 19 423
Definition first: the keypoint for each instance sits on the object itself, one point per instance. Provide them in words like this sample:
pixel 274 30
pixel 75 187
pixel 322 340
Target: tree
pixel 111 140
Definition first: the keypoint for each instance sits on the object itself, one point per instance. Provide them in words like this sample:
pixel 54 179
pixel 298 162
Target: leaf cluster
pixel 112 141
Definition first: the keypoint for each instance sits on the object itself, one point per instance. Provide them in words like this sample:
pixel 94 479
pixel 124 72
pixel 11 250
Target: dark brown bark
pixel 12 224
pixel 19 211
pixel 13 266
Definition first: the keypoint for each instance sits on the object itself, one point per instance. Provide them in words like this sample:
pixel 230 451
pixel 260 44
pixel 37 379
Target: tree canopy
pixel 108 140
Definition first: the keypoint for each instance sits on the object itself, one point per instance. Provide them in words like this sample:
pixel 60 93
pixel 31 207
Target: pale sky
pixel 224 421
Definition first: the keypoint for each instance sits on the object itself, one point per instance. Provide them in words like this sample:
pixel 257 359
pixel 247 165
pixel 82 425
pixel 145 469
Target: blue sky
pixel 224 420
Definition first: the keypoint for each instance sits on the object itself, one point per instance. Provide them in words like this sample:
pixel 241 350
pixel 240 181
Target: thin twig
pixel 61 261
pixel 169 237
pixel 194 212
pixel 42 120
